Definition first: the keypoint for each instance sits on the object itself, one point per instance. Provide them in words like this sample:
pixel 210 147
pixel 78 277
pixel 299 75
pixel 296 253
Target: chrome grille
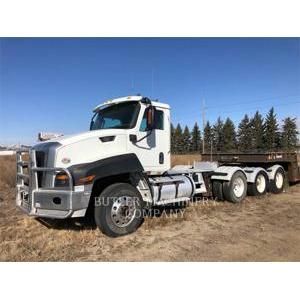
pixel 41 162
pixel 23 180
pixel 40 159
pixel 26 201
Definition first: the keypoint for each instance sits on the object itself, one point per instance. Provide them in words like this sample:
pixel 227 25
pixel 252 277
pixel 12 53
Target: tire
pixel 217 189
pixel 260 185
pixel 119 210
pixel 236 189
pixel 277 184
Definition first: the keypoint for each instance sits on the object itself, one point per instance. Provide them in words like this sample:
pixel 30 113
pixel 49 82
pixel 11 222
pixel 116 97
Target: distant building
pixel 10 150
pixel 7 152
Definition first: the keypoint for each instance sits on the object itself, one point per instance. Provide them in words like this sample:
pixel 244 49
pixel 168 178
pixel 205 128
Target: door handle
pixel 161 158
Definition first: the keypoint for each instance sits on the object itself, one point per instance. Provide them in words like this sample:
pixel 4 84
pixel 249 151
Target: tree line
pixel 256 134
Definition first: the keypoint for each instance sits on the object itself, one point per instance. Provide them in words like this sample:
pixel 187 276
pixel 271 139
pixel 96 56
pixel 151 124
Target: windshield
pixel 122 115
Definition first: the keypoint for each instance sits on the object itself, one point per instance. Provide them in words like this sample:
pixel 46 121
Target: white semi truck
pixel 121 166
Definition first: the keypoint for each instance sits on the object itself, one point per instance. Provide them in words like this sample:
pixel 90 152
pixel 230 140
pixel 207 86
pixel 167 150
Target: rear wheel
pixel 259 186
pixel 119 210
pixel 277 184
pixel 236 189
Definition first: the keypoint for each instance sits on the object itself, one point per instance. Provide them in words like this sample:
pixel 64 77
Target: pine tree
pixel 289 137
pixel 173 145
pixel 196 139
pixel 186 139
pixel 208 137
pixel 178 142
pixel 256 139
pixel 218 139
pixel 244 134
pixel 229 136
pixel 272 135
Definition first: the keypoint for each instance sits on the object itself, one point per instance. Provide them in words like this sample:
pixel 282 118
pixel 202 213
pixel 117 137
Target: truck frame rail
pixel 289 160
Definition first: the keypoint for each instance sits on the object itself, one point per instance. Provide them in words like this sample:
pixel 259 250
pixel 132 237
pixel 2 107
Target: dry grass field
pixel 184 159
pixel 259 229
pixel 7 170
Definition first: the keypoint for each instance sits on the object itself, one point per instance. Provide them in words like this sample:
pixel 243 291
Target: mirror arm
pixel 148 134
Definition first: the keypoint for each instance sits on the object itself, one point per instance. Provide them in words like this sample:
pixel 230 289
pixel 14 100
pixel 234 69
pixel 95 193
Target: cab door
pixel 153 146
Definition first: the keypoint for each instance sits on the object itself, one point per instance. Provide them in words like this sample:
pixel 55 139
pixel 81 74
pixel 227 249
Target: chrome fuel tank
pixel 168 189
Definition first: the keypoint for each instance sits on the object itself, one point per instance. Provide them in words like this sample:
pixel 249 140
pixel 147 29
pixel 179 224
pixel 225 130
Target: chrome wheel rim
pixel 279 180
pixel 123 211
pixel 261 183
pixel 238 187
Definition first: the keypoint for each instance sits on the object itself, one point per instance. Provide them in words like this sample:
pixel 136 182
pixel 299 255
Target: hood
pixel 70 139
pixel 84 147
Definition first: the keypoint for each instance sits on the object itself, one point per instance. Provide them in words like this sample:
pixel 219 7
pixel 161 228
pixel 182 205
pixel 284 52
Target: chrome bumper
pixel 50 202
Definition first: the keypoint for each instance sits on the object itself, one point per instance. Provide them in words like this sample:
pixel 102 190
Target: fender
pixel 251 173
pixel 272 170
pixel 224 173
pixel 115 165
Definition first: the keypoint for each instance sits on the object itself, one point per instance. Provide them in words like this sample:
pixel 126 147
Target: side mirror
pixel 150 118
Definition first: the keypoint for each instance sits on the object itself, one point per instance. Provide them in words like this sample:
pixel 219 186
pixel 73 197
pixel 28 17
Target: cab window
pixel 158 120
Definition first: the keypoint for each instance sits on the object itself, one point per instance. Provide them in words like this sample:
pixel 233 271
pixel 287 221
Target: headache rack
pixel 28 182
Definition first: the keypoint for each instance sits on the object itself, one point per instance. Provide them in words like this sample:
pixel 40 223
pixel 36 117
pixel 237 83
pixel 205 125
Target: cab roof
pixel 129 99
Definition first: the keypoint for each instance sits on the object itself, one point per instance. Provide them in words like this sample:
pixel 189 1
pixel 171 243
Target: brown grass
pixel 259 229
pixel 8 170
pixel 184 159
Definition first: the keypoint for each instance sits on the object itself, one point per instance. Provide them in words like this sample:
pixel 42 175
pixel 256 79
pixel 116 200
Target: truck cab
pixel 129 139
pixel 146 129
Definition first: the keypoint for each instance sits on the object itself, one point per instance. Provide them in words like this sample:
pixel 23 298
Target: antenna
pixel 132 83
pixel 152 82
pixel 203 124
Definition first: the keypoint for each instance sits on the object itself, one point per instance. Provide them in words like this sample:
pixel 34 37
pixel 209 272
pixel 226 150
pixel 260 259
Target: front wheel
pixel 236 189
pixel 119 210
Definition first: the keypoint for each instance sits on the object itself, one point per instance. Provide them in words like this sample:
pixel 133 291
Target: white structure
pixel 7 152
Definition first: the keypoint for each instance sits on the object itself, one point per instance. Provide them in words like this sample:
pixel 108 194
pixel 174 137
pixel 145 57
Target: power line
pixel 258 108
pixel 255 101
pixel 247 109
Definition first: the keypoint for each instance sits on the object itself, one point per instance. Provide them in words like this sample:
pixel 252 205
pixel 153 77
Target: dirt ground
pixel 259 229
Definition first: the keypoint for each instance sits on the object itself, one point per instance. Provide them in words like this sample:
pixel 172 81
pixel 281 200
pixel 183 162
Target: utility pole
pixel 203 125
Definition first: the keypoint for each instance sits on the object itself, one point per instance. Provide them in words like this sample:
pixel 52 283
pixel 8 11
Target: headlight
pixel 61 180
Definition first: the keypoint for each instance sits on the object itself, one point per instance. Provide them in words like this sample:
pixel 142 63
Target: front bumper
pixel 51 201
